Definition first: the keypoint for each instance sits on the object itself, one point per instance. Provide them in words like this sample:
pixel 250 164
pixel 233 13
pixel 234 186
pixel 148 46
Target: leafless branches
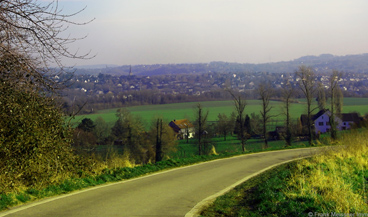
pixel 265 92
pixel 307 85
pixel 239 103
pixel 31 37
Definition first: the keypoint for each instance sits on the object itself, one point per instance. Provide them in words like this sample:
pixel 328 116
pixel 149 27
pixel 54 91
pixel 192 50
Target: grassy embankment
pixel 333 182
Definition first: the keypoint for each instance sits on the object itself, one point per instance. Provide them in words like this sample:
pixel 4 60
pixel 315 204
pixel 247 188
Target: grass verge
pixel 329 184
pixel 108 175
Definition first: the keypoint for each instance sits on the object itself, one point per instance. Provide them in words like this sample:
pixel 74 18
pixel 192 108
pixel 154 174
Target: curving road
pixel 177 192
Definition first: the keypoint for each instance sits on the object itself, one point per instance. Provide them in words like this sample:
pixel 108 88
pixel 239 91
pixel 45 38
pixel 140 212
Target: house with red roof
pixel 183 128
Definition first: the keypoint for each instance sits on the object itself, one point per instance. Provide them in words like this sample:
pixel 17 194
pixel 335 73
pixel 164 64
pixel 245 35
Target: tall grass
pixel 337 176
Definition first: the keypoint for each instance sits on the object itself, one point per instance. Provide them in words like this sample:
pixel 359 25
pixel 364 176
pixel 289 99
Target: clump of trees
pixel 311 89
pixel 128 137
pixel 225 125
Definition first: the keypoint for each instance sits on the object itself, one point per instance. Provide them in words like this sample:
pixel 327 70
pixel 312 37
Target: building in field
pixel 183 128
pixel 321 121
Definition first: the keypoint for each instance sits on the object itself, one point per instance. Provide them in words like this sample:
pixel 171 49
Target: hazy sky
pixel 194 31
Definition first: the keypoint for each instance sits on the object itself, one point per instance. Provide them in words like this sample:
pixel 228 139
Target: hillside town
pixel 109 91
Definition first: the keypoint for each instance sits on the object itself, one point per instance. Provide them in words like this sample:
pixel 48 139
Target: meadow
pixel 231 145
pixel 186 110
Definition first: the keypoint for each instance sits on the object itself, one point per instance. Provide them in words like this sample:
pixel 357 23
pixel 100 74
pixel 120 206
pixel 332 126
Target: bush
pixel 35 144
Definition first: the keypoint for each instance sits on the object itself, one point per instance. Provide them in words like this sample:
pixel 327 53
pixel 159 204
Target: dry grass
pixel 336 178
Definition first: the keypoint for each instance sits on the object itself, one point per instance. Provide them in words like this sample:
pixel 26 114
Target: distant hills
pixel 101 66
pixel 321 63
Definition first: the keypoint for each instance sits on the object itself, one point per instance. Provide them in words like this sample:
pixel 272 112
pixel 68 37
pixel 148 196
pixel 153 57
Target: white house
pixel 321 121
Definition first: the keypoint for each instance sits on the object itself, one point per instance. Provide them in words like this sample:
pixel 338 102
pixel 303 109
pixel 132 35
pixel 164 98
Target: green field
pixel 231 145
pixel 186 110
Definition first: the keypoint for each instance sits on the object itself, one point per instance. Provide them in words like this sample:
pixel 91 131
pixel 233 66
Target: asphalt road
pixel 177 192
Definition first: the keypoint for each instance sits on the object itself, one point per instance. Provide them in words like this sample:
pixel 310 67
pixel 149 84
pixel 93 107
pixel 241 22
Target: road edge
pixel 195 211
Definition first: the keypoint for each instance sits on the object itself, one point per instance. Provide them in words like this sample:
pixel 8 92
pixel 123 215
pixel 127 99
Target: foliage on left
pixel 34 141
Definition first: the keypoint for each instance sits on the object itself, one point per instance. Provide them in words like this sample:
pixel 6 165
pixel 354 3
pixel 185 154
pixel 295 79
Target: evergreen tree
pixel 336 101
pixel 247 125
pixel 163 137
pixel 200 125
pixel 86 125
pixel 321 99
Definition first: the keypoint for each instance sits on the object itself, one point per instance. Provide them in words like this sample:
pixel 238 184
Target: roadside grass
pixel 243 199
pixel 334 181
pixel 231 145
pixel 83 180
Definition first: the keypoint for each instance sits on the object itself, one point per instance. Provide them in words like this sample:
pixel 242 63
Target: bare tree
pixel 240 104
pixel 31 37
pixel 335 101
pixel 265 92
pixel 224 124
pixel 307 84
pixel 287 95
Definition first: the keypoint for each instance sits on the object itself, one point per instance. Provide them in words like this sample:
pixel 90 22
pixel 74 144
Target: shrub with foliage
pixel 34 143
